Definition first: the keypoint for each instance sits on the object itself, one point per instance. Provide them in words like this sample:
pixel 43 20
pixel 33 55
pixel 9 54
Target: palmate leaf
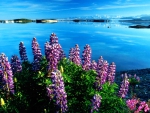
pixel 66 78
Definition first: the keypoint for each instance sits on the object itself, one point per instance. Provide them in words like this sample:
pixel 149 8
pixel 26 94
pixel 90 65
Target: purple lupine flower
pixel 86 58
pixel 15 64
pixel 6 75
pixel 100 60
pixel 22 52
pixel 53 39
pixel 61 52
pixel 124 87
pixel 111 72
pixel 36 65
pixel 102 74
pixel 37 55
pixel 50 91
pixel 34 45
pixel 57 92
pixel 96 102
pixel 71 54
pixel 53 56
pixel 76 55
pixel 36 50
pixel 47 50
pixel 94 65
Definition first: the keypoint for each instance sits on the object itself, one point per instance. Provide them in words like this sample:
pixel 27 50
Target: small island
pixel 22 20
pixel 90 20
pixel 140 26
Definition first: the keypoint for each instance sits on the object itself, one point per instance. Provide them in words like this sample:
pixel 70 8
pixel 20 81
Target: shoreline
pixel 135 71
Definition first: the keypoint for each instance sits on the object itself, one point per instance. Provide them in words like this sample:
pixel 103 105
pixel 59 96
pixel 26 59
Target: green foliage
pixel 133 81
pixel 78 85
pixel 111 103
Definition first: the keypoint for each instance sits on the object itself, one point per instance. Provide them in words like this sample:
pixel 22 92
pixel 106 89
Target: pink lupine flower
pixel 132 104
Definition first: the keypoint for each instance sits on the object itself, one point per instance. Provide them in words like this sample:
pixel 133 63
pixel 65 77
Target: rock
pixel 142 90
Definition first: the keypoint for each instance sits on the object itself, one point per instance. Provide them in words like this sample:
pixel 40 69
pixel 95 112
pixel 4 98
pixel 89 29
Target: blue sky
pixel 38 9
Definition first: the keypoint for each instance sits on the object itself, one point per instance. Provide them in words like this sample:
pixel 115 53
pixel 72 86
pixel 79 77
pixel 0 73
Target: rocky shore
pixel 142 90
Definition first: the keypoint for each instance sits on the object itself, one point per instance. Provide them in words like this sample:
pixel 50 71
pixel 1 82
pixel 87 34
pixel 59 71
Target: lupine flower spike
pixel 94 65
pixel 71 54
pixel 76 55
pixel 57 92
pixel 6 75
pixel 111 72
pixel 37 55
pixel 96 102
pixel 54 40
pixel 86 58
pixel 15 64
pixel 102 73
pixel 124 86
pixel 22 52
pixel 36 49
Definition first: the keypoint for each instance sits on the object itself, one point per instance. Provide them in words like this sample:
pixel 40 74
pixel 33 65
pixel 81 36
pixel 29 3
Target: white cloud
pixel 122 6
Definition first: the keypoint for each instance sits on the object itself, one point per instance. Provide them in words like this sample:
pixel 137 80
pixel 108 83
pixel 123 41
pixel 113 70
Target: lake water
pixel 129 48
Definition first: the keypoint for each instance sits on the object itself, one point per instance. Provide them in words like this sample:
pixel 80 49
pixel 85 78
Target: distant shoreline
pixel 24 20
pixel 135 71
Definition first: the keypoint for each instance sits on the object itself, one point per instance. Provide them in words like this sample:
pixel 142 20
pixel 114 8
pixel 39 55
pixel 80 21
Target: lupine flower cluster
pixel 22 52
pixel 105 72
pixel 74 55
pixel 57 92
pixel 37 55
pixel 86 58
pixel 6 75
pixel 15 64
pixel 142 107
pixel 124 86
pixel 96 102
pixel 133 105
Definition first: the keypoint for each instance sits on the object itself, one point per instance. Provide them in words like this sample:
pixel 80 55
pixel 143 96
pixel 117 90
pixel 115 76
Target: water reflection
pixel 127 47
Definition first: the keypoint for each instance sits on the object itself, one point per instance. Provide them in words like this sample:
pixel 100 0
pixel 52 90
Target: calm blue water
pixel 128 48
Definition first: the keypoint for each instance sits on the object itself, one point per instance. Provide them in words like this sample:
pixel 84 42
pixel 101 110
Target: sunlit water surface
pixel 129 48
